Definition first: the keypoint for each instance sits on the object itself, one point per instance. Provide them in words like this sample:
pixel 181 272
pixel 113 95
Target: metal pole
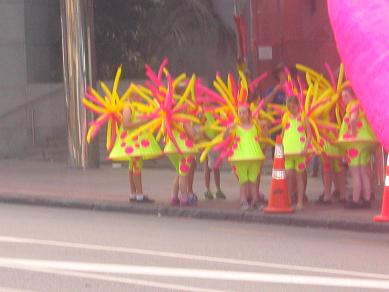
pixel 79 73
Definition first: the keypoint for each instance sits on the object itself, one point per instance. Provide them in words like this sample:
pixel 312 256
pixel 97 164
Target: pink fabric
pixel 361 31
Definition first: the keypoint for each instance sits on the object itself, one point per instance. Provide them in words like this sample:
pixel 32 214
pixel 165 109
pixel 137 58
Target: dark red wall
pixel 298 31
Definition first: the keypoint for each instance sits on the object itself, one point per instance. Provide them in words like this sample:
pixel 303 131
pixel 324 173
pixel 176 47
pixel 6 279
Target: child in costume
pixel 246 156
pixel 208 119
pixel 332 172
pixel 358 140
pixel 135 149
pixel 182 160
pixel 296 139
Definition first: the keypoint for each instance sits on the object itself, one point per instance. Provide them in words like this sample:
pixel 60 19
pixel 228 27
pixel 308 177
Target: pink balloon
pixel 361 31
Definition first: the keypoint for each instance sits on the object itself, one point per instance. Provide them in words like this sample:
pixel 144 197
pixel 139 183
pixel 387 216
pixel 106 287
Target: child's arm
pixel 190 131
pixel 354 119
pixel 270 97
pixel 309 135
pixel 228 131
pixel 128 124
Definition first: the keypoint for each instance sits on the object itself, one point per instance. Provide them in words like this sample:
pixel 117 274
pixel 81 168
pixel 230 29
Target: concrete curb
pixel 211 214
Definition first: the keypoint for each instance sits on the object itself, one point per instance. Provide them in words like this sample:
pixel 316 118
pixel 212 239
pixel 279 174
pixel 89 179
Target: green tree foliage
pixel 136 32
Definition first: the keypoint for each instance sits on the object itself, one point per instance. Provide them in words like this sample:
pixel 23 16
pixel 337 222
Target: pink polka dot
pixel 189 159
pixel 346 136
pixel 182 136
pixel 300 129
pixel 184 168
pixel 189 143
pixel 123 135
pixel 287 126
pixel 123 144
pixel 230 153
pixel 301 166
pixel 237 138
pixel 129 150
pixel 183 160
pixel 346 120
pixel 302 139
pixel 234 146
pixel 137 145
pixel 299 119
pixel 145 143
pixel 359 124
pixel 353 152
pixel 321 143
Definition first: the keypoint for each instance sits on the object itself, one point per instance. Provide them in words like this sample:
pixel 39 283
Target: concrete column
pixel 79 73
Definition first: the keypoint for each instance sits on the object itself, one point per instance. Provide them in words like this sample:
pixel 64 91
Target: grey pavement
pixel 55 184
pixel 51 249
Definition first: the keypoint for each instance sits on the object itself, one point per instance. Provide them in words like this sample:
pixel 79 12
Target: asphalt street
pixel 51 249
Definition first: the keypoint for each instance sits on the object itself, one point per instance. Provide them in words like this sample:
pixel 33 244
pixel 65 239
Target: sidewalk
pixel 54 184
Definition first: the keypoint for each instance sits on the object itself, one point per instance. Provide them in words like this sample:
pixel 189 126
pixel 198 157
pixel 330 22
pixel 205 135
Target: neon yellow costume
pixel 181 161
pixel 358 146
pixel 293 141
pixel 134 149
pixel 246 155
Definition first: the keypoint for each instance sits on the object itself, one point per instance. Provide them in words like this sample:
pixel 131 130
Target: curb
pixel 209 214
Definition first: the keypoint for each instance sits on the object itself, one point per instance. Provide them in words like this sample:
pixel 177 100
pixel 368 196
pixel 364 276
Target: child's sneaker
pixel 244 205
pixel 208 195
pixel 220 195
pixel 143 199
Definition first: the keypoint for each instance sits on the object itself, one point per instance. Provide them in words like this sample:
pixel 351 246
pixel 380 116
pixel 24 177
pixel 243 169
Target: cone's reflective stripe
pixel 278 152
pixel 278 174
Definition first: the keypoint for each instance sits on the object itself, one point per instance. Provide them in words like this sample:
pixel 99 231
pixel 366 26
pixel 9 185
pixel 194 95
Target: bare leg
pixel 243 192
pixel 290 177
pixel 175 187
pixel 138 183
pixel 340 184
pixel 366 182
pixel 191 177
pixel 216 176
pixel 207 175
pixel 132 185
pixel 183 183
pixel 253 192
pixel 305 181
pixel 258 184
pixel 327 182
pixel 300 189
pixel 357 185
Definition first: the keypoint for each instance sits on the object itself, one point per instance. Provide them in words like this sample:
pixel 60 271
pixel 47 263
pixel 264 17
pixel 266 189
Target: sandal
pixel 220 195
pixel 321 200
pixel 208 195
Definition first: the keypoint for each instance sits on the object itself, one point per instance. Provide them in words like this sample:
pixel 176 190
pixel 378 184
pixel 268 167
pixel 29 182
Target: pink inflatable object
pixel 361 31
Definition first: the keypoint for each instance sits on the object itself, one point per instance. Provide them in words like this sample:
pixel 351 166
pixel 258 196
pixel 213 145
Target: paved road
pixel 49 249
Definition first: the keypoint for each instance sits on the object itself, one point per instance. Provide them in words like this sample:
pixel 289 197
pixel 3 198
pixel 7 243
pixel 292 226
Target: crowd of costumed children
pixel 187 120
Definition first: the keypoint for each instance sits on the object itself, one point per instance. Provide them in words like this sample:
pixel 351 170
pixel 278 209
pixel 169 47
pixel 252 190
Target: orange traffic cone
pixel 279 198
pixel 384 217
